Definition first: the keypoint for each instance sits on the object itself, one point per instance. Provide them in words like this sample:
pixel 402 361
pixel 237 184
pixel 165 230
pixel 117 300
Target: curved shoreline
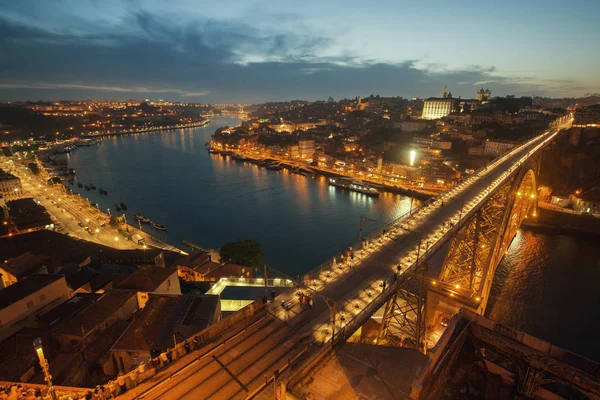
pixel 166 128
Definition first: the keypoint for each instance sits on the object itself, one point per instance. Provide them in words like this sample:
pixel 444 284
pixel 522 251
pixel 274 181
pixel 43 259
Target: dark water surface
pixel 208 200
pixel 547 285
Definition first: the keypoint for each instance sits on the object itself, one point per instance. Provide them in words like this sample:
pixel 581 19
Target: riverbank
pixel 209 199
pixel 551 220
pixel 418 194
pixel 165 128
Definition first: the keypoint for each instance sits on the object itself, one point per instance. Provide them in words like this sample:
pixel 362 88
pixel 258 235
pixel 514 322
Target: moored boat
pixel 159 227
pixel 103 192
pixel 298 171
pixel 140 218
pixel 86 187
pixel 123 206
pixel 274 167
pixel 354 186
pixel 117 207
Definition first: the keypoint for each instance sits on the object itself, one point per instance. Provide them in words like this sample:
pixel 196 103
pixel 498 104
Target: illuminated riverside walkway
pixel 278 343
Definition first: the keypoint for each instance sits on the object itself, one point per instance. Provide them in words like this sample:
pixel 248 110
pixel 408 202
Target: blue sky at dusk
pixel 253 51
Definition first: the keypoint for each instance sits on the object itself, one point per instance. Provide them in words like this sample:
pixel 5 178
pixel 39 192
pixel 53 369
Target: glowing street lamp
pixel 37 345
pixel 413 156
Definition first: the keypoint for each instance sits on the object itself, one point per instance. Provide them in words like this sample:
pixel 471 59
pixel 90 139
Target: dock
pixel 194 246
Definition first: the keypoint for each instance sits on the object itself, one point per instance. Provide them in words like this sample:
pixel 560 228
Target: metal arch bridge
pixel 277 346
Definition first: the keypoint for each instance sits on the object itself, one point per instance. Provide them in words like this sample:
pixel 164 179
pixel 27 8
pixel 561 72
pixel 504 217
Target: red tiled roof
pixel 146 278
pixel 90 317
pixel 165 315
pixel 193 260
pixel 206 267
pixel 25 263
pixel 229 270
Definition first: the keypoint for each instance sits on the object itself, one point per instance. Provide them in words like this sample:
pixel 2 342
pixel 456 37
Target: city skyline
pixel 250 52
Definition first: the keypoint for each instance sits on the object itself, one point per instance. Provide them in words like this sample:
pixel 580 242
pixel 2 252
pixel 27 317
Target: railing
pixel 351 324
pixel 426 251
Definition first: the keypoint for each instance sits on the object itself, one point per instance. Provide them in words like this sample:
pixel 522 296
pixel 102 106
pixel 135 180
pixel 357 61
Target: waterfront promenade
pixel 411 190
pixel 151 129
pixel 75 216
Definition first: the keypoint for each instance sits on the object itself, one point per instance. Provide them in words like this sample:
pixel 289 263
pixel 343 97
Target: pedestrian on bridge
pixel 272 296
pixel 384 284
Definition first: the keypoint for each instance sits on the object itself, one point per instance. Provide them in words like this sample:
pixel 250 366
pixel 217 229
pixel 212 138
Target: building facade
pixel 21 301
pixel 10 186
pixel 435 108
pixel 483 95
pixel 496 148
pixel 306 148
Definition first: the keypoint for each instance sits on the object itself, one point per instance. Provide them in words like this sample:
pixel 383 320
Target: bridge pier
pixel 438 305
pixel 404 318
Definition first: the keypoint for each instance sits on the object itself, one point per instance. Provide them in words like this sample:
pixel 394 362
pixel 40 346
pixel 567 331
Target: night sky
pixel 254 51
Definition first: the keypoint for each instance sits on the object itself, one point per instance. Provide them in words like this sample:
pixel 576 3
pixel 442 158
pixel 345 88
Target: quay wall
pixel 563 222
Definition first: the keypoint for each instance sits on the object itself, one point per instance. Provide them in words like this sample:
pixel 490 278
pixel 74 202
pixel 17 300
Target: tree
pixel 243 252
pixel 116 220
pixel 34 168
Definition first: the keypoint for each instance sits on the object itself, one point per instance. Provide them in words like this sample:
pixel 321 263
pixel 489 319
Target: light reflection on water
pixel 209 199
pixel 546 286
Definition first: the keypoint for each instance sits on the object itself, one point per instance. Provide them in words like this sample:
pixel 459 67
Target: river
pixel 544 286
pixel 208 200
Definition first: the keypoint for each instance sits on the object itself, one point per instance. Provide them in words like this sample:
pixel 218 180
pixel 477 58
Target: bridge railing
pixel 329 265
pixel 357 320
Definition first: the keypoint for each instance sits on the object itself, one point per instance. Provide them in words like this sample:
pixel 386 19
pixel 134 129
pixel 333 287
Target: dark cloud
pixel 209 60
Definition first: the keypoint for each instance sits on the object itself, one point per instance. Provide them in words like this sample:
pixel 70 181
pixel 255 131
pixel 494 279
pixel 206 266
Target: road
pixel 241 366
pixel 73 214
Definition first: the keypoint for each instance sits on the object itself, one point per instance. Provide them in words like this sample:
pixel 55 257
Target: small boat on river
pixel 140 218
pixel 103 192
pixel 159 227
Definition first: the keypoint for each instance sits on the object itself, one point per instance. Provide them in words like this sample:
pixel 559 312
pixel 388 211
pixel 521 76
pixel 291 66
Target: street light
pixel 37 345
pixel 413 156
pixel 363 220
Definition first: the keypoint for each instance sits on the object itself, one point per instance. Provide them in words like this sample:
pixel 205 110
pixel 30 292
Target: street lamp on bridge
pixel 364 220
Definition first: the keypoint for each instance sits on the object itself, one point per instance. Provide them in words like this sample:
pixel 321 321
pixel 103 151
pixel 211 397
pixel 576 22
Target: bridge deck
pixel 242 366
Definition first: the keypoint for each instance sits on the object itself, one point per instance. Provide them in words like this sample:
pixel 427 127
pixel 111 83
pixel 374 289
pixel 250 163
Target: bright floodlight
pixel 413 155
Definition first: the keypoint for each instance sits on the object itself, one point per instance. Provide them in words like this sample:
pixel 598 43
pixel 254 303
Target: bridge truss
pixel 470 263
